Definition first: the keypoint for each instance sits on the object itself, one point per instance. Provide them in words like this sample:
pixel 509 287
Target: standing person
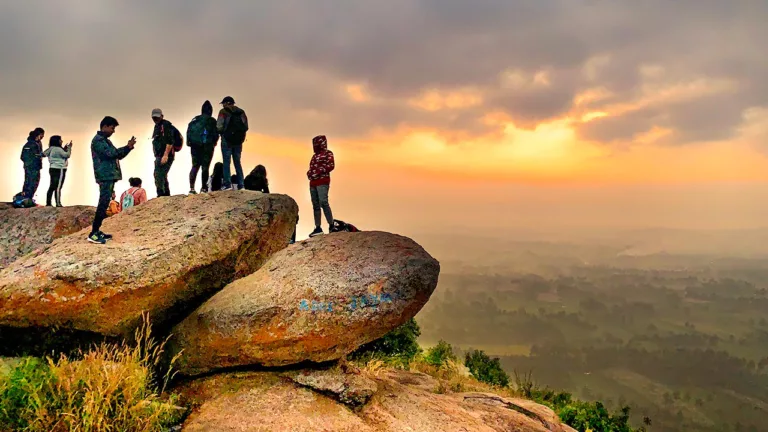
pixel 32 156
pixel 162 146
pixel 106 169
pixel 58 160
pixel 319 176
pixel 134 196
pixel 202 136
pixel 216 181
pixel 232 124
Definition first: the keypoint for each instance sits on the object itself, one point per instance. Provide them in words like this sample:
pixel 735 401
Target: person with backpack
pixel 58 159
pixel 32 157
pixel 202 136
pixel 319 175
pixel 106 170
pixel 232 124
pixel 165 139
pixel 135 195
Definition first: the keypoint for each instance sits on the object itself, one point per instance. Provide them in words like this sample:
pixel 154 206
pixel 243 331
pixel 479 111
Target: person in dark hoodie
pixel 202 136
pixel 32 156
pixel 106 169
pixel 162 147
pixel 232 124
pixel 319 176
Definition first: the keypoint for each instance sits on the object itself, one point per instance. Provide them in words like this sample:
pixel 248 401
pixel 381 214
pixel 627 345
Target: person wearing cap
pixel 232 124
pixel 162 147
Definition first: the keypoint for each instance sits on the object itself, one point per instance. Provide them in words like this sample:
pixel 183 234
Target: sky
pixel 442 114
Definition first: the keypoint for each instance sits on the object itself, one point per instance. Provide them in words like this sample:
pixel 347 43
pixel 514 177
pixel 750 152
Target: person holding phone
pixel 58 160
pixel 106 169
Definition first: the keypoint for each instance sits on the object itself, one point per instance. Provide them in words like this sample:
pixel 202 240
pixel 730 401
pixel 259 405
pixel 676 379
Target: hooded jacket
pixel 58 158
pixel 209 124
pixel 32 155
pixel 322 162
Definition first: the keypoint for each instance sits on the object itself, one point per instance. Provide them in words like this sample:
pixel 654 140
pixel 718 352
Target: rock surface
pixel 314 301
pixel 167 256
pixel 25 230
pixel 262 401
pixel 350 389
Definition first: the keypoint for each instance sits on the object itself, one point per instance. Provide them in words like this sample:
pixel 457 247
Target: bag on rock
pixel 341 226
pixel 20 202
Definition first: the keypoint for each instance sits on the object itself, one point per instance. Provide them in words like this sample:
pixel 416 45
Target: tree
pixel 486 369
pixel 400 342
pixel 439 354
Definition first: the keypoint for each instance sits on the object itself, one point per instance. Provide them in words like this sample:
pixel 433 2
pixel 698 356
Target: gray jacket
pixel 58 157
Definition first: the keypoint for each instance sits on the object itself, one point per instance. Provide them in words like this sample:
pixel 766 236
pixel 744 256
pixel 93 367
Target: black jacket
pixel 106 159
pixel 32 155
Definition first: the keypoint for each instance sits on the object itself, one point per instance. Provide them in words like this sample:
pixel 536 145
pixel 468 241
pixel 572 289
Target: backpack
pixel 341 226
pixel 20 202
pixel 128 199
pixel 234 134
pixel 197 132
pixel 178 140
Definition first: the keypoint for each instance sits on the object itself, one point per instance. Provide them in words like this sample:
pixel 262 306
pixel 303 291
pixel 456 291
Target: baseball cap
pixel 157 112
pixel 228 99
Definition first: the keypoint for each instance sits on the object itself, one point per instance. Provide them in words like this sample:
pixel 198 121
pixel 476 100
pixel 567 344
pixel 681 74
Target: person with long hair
pixel 58 161
pixel 216 181
pixel 257 180
pixel 32 156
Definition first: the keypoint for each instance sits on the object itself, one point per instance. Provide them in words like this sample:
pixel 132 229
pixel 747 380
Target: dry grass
pixel 111 388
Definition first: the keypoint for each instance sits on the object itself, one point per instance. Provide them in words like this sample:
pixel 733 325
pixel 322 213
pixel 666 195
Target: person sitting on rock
pixel 257 180
pixel 319 176
pixel 216 181
pixel 114 206
pixel 106 170
pixel 134 196
pixel 58 159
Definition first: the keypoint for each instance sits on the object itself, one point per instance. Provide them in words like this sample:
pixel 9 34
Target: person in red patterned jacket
pixel 319 176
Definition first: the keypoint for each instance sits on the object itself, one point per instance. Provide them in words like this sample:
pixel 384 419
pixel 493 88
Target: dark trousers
pixel 57 182
pixel 201 158
pixel 232 154
pixel 31 182
pixel 161 177
pixel 105 196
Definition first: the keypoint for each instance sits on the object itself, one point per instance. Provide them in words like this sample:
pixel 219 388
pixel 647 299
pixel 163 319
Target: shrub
pixel 439 354
pixel 108 388
pixel 398 346
pixel 486 369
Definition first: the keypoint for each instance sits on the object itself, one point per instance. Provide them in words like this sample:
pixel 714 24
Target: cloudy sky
pixel 440 112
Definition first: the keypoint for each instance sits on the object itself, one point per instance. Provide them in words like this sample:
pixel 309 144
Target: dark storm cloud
pixel 288 61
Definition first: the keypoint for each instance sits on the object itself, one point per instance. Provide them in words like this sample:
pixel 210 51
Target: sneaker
pixel 96 238
pixel 192 192
pixel 318 231
pixel 105 235
pixel 226 188
pixel 204 190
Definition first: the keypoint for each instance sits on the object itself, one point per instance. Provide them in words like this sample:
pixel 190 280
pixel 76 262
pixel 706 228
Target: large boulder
pixel 403 401
pixel 167 256
pixel 24 230
pixel 314 301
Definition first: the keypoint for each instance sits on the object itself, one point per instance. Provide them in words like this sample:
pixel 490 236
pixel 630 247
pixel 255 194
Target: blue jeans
pixel 232 153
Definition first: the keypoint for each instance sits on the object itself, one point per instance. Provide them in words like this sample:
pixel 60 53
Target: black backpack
pixel 234 134
pixel 178 140
pixel 341 226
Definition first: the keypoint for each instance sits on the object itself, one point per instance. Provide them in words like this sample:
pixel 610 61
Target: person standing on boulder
pixel 58 159
pixel 162 146
pixel 232 124
pixel 202 136
pixel 106 169
pixel 32 156
pixel 319 176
